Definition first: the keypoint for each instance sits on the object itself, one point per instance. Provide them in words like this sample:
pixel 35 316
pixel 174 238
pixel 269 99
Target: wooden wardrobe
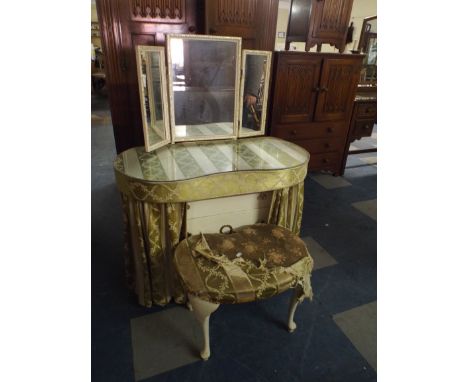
pixel 319 21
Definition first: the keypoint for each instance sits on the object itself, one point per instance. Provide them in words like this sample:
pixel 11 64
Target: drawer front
pixel 212 207
pixel 363 128
pixel 321 145
pixel 212 224
pixel 367 110
pixel 209 215
pixel 325 161
pixel 293 132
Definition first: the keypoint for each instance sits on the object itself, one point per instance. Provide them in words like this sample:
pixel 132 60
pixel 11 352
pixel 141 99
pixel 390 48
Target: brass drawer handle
pixel 221 230
pixel 325 160
pixel 366 127
pixel 293 132
pixel 324 89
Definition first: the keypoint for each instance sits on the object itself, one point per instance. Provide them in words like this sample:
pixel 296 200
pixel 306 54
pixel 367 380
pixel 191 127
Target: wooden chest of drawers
pixel 312 103
pixel 363 119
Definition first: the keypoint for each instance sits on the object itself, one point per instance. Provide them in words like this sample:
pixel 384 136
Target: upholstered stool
pixel 250 263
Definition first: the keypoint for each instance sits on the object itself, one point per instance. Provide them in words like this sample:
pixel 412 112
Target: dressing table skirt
pixel 153 230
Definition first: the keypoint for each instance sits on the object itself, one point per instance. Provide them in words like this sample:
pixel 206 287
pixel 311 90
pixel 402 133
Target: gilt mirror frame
pixel 145 50
pixel 266 86
pixel 193 37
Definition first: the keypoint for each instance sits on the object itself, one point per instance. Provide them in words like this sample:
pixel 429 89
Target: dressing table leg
pixel 296 298
pixel 202 311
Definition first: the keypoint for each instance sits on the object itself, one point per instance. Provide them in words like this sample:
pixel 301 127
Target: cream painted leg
pixel 202 310
pixel 189 306
pixel 295 300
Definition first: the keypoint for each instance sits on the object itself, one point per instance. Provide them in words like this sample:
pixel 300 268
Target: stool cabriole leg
pixel 295 300
pixel 202 311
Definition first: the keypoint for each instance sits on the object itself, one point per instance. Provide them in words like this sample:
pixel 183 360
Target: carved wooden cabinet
pixel 327 23
pixel 253 20
pixel 312 102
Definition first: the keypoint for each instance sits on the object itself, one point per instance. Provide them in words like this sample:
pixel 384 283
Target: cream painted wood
pixel 295 301
pixel 145 51
pixel 222 205
pixel 212 224
pixel 208 216
pixel 202 311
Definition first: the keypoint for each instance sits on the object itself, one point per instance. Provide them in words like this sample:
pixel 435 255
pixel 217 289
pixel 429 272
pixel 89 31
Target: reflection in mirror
pixel 153 99
pixel 204 81
pixel 254 91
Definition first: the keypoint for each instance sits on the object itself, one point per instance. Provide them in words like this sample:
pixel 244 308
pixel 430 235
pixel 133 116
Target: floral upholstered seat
pixel 251 263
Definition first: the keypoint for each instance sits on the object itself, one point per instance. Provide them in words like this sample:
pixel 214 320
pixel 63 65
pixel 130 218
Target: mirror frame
pixel 364 48
pixel 266 90
pixel 194 37
pixel 145 49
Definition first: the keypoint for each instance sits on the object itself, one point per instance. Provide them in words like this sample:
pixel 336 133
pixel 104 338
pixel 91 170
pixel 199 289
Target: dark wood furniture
pixel 298 24
pixel 124 24
pixel 312 103
pixel 365 104
pixel 363 119
pixel 327 23
pixel 253 20
pixel 368 31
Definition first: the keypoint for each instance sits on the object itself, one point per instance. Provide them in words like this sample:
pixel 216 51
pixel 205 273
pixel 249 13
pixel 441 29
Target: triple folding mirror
pixel 206 96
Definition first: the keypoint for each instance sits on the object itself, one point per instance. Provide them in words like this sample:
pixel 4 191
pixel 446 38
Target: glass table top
pixel 189 160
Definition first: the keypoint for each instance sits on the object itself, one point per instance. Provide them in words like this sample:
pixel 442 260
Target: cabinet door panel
pixel 330 18
pixel 296 91
pixel 253 20
pixel 338 86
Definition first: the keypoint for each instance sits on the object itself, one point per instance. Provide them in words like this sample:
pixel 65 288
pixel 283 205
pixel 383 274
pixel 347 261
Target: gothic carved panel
pixel 338 86
pixel 337 98
pixel 332 15
pixel 297 85
pixel 298 92
pixel 167 11
pixel 240 12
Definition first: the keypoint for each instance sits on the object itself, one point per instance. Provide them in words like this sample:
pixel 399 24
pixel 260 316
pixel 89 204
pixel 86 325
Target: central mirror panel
pixel 204 77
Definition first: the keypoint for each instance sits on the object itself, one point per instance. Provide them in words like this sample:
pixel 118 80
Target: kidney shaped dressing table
pixel 160 189
pixel 209 176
